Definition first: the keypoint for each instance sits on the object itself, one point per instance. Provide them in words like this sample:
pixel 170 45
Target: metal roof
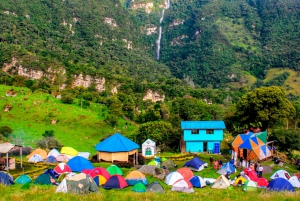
pixel 203 125
pixel 6 147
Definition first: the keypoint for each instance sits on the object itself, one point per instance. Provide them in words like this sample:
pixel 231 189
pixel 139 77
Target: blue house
pixel 202 136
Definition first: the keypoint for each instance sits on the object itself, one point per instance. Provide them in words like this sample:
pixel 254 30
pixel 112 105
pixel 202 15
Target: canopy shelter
pixel 5 148
pixel 117 148
pixel 251 146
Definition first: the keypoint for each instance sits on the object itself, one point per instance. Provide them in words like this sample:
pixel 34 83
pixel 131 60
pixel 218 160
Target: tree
pixel 264 106
pixel 49 143
pixel 287 140
pixel 5 131
pixel 297 115
pixel 48 133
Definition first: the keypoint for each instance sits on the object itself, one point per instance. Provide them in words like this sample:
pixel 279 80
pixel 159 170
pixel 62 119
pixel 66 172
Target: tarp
pixel 134 177
pixel 221 183
pixel 197 181
pixel 113 169
pixel 155 187
pixel 186 173
pixel 69 151
pixel 6 179
pixel 97 171
pixel 281 174
pixel 116 181
pixel 78 184
pixel 139 187
pixel 40 152
pixel 116 143
pixel 173 177
pixel 195 164
pixel 35 158
pixel 78 163
pixel 280 184
pixel 53 153
pixel 62 168
pixel 23 179
pixel 294 181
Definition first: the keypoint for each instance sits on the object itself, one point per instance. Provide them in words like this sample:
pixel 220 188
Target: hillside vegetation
pixel 32 113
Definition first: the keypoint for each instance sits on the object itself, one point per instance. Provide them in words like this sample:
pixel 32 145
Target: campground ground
pixel 39 192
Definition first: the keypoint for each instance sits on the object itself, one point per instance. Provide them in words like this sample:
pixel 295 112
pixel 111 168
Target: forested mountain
pixel 203 42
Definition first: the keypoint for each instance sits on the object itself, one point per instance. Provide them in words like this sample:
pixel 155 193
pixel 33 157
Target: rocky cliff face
pixel 87 81
pixel 153 96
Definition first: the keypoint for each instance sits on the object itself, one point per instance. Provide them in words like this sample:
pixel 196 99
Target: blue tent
pixel 116 143
pixel 78 163
pixel 197 181
pixel 23 179
pixel 195 164
pixel 51 173
pixel 51 159
pixel 6 179
pixel 227 168
pixel 280 184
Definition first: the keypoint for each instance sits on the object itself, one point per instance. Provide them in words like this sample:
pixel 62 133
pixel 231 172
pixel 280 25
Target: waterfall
pixel 167 6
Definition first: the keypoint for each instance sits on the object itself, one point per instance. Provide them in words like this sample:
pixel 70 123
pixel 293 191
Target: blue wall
pixel 202 136
pixel 197 146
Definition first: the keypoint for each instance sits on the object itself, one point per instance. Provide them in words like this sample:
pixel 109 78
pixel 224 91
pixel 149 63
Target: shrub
pixel 67 98
pixel 141 159
pixel 122 164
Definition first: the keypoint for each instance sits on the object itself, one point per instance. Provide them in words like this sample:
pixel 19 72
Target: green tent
pixel 43 179
pixel 113 169
pixel 163 159
pixel 139 187
pixel 154 163
pixel 23 179
pixel 250 186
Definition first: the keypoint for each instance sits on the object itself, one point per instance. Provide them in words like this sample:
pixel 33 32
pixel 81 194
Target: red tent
pixel 62 168
pixel 97 171
pixel 186 173
pixel 262 182
pixel 251 174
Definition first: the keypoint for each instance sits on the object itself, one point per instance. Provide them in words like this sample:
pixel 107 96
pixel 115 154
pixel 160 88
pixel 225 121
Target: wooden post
pixel 21 156
pixel 7 162
pixel 137 157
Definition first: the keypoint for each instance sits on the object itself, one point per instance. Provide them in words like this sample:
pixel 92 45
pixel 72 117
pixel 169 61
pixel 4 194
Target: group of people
pixel 217 164
pixel 257 168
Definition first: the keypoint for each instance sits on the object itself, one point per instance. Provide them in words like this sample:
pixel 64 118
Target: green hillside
pixel 80 128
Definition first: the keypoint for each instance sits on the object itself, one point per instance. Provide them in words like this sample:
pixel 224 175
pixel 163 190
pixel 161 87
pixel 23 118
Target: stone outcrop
pixel 153 96
pixel 112 22
pixel 114 90
pixel 149 29
pixel 147 6
pixel 88 80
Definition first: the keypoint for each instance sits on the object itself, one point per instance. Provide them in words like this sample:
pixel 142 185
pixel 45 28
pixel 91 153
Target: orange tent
pixel 40 152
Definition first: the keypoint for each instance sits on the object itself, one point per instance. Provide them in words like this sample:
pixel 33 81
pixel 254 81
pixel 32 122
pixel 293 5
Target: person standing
pixel 211 160
pixel 256 167
pixel 260 171
pixel 220 163
pixel 215 165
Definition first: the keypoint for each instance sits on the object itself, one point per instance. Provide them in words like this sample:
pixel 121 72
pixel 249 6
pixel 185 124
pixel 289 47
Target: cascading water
pixel 167 6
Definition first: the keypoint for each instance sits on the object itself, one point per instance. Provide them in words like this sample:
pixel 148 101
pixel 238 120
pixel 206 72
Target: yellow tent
pixel 240 180
pixel 69 151
pixel 40 152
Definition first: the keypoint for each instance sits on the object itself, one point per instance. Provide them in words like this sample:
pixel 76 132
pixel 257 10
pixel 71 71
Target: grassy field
pixel 38 192
pixel 80 128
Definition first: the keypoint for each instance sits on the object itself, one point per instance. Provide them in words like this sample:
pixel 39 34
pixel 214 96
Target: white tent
pixel 281 174
pixel 85 155
pixel 173 177
pixel 295 181
pixel 35 158
pixel 221 183
pixel 149 148
pixel 183 186
pixel 53 152
pixel 63 187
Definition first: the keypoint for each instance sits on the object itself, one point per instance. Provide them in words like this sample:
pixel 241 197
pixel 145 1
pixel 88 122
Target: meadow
pixel 39 192
pixel 77 127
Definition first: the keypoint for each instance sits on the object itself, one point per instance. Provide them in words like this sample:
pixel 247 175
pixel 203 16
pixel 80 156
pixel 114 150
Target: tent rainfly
pixel 117 148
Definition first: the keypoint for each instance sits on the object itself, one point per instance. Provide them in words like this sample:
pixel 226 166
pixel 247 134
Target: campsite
pixel 167 176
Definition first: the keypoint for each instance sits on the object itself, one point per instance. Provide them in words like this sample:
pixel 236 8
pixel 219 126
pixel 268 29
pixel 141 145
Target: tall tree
pixel 264 106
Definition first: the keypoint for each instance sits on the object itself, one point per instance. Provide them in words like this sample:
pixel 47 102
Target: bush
pixel 141 160
pixel 122 164
pixel 67 98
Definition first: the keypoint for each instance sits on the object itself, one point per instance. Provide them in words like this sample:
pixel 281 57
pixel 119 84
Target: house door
pixel 204 146
pixel 148 152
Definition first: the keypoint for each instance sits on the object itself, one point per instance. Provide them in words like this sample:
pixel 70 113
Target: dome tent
pixel 155 187
pixel 280 184
pixel 62 168
pixel 78 163
pixel 113 169
pixel 173 177
pixel 139 187
pixel 97 171
pixel 197 181
pixel 196 164
pixel 136 177
pixel 23 179
pixel 116 181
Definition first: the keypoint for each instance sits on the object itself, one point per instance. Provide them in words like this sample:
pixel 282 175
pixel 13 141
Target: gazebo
pixel 5 148
pixel 117 148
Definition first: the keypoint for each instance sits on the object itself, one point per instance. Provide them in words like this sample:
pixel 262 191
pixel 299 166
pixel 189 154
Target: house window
pixel 148 152
pixel 195 131
pixel 209 131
